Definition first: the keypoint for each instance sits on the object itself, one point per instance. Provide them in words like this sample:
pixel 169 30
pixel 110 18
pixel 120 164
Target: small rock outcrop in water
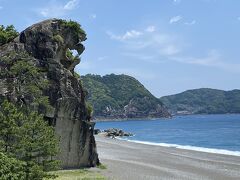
pixel 46 44
pixel 97 131
pixel 113 132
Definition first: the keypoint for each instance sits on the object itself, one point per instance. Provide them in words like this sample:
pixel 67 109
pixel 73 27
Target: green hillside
pixel 121 96
pixel 203 101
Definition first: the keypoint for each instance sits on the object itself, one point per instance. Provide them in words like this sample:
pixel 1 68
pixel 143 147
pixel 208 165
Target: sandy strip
pixel 133 161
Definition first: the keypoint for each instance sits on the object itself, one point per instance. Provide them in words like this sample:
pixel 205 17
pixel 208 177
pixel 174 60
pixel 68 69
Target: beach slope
pixel 134 161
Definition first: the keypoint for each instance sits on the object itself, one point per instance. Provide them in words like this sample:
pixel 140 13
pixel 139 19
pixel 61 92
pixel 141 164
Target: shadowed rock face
pixel 46 43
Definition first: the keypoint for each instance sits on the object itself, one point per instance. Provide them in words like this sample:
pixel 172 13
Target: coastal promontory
pixel 203 101
pixel 46 47
pixel 121 97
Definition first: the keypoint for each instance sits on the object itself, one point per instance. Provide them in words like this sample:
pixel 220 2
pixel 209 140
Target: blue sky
pixel 168 45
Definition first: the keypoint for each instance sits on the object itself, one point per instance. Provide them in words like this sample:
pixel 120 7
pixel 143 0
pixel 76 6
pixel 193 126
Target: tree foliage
pixel 27 82
pixel 24 134
pixel 204 101
pixel 7 34
pixel 116 91
pixel 28 138
pixel 11 168
pixel 73 25
pixel 89 111
pixel 71 56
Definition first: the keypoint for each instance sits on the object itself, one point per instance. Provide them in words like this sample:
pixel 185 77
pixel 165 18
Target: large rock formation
pixel 45 44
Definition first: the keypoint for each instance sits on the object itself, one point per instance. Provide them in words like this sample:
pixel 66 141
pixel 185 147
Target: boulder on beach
pixel 113 132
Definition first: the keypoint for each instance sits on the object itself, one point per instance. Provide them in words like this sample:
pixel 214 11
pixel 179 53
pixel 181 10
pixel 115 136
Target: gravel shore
pixel 134 161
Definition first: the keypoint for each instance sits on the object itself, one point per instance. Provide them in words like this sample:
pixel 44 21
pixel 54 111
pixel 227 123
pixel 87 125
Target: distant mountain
pixel 121 96
pixel 203 101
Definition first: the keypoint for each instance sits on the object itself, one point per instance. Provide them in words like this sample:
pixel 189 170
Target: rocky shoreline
pixel 129 119
pixel 112 132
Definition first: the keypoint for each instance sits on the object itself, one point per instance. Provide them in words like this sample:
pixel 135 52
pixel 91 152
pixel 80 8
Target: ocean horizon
pixel 218 134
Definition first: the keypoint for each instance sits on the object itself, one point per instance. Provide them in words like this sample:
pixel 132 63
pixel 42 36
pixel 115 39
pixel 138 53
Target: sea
pixel 207 133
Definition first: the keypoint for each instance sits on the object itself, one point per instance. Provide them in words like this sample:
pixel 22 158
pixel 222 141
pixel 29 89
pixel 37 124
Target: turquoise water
pixel 210 133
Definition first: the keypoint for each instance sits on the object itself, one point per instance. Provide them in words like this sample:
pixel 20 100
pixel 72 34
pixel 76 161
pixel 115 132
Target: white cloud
pixel 176 1
pixel 128 35
pixel 70 5
pixel 142 45
pixel 131 34
pixel 158 47
pixel 102 58
pixel 51 12
pixel 212 59
pixel 151 29
pixel 169 50
pixel 54 9
pixel 140 56
pixel 190 23
pixel 161 44
pixel 175 19
pixel 93 16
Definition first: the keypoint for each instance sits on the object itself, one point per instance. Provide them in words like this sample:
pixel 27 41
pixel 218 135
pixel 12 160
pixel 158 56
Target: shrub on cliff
pixel 89 111
pixel 73 25
pixel 70 55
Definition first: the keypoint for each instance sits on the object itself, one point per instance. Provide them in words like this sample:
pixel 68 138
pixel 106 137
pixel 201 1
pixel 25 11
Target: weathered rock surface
pixel 134 110
pixel 46 43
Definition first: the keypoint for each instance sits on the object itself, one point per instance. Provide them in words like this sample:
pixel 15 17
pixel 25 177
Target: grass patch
pixel 78 174
pixel 102 166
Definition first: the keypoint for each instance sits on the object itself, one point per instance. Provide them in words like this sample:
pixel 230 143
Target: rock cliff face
pixel 46 44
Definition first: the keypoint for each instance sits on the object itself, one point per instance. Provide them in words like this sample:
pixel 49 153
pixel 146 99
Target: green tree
pixel 7 34
pixel 29 82
pixel 10 121
pixel 89 111
pixel 11 168
pixel 26 81
pixel 27 137
pixel 38 146
pixel 117 91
